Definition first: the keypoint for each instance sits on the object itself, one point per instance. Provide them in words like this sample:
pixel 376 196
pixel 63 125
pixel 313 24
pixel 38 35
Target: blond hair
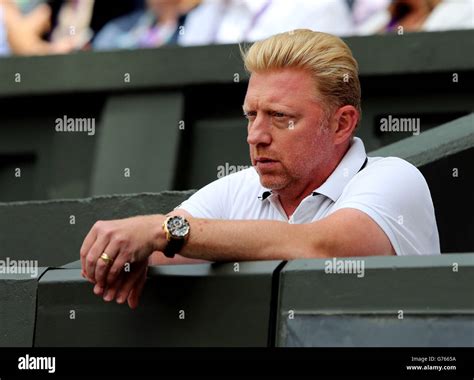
pixel 326 57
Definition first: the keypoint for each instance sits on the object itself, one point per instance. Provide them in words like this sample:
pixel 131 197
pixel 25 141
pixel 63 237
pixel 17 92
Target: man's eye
pixel 278 115
pixel 249 115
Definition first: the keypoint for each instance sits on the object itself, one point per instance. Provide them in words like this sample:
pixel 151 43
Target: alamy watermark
pixel 226 169
pixel 337 266
pixel 46 363
pixel 11 266
pixel 400 124
pixel 77 124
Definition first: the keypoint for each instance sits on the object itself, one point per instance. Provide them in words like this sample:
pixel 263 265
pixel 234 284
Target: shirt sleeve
pixel 208 202
pixel 396 196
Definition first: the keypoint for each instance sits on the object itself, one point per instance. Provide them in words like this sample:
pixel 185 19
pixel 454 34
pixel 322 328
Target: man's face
pixel 287 131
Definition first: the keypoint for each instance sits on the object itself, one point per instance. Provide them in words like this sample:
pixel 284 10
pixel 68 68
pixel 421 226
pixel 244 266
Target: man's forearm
pixel 241 240
pixel 158 258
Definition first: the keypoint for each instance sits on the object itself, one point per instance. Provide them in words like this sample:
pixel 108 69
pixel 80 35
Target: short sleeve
pixel 396 196
pixel 208 201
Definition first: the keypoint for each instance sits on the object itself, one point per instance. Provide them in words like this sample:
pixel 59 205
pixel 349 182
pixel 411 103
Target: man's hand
pixel 128 286
pixel 125 241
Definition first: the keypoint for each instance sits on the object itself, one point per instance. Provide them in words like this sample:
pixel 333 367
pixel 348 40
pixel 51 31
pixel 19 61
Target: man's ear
pixel 345 120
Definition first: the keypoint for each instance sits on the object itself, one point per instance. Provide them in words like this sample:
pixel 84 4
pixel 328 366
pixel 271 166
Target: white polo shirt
pixel 390 190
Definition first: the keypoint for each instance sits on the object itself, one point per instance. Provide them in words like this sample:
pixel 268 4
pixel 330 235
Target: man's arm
pixel 347 232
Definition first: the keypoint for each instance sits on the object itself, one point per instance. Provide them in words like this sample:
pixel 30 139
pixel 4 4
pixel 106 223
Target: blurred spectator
pixel 363 10
pixel 75 22
pixel 72 30
pixel 159 24
pixel 24 32
pixel 104 13
pixel 421 15
pixel 451 15
pixel 55 26
pixel 231 21
pixel 26 6
pixel 4 49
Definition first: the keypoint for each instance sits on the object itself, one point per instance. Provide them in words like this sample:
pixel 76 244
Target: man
pixel 311 193
pixel 157 24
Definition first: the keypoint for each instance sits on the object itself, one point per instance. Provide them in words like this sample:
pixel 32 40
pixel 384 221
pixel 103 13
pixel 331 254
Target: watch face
pixel 178 227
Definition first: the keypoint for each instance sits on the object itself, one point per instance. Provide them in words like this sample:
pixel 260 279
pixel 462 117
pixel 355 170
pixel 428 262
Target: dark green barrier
pixel 52 232
pixel 396 301
pixel 188 305
pixel 18 306
pixel 399 301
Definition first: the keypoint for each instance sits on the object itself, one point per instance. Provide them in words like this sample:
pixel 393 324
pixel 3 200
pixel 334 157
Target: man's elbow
pixel 311 245
pixel 325 246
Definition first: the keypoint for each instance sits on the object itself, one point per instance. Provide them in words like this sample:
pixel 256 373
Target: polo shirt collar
pixel 352 162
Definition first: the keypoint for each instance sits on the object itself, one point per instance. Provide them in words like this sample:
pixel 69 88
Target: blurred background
pixel 61 26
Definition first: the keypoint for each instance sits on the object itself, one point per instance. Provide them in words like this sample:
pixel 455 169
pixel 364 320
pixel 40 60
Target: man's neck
pixel 291 197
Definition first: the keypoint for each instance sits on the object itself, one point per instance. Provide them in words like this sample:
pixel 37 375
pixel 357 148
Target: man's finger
pixel 102 266
pixel 93 255
pixel 117 267
pixel 134 295
pixel 98 290
pixel 111 291
pixel 86 246
pixel 138 272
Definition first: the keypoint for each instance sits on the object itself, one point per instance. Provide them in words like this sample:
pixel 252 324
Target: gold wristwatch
pixel 177 231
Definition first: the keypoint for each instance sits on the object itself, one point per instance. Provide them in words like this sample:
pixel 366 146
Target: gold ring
pixel 106 258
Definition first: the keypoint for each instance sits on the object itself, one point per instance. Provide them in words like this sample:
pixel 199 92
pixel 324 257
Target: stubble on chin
pixel 273 182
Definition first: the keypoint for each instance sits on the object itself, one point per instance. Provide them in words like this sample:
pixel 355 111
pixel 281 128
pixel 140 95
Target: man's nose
pixel 259 132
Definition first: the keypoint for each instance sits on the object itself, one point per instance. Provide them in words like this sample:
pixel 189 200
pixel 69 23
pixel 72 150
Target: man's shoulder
pixel 394 193
pixel 233 181
pixel 226 197
pixel 391 166
pixel 392 173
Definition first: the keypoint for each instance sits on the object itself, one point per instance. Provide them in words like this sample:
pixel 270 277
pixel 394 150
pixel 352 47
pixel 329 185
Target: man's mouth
pixel 263 159
pixel 265 162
